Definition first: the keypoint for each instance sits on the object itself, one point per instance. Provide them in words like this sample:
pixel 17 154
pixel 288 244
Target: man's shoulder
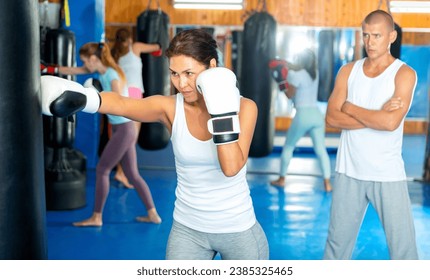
pixel 348 66
pixel 405 70
pixel 346 69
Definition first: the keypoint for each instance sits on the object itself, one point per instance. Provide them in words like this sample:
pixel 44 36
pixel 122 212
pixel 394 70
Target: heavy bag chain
pixel 158 5
pixel 387 2
pixel 261 7
pixel 159 18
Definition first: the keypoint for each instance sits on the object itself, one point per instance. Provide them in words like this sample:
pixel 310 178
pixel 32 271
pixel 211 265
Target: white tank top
pixel 131 64
pixel 369 154
pixel 207 200
pixel 306 88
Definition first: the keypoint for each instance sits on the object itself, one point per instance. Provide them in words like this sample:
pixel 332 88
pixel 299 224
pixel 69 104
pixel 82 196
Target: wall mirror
pixel 334 46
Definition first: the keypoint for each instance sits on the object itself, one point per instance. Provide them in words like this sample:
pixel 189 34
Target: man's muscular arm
pixel 390 116
pixel 334 116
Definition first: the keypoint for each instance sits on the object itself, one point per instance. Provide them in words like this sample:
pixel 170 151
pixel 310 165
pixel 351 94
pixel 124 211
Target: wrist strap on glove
pixel 71 102
pixel 224 128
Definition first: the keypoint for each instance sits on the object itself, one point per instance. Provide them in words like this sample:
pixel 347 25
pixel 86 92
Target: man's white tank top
pixel 131 64
pixel 207 200
pixel 369 154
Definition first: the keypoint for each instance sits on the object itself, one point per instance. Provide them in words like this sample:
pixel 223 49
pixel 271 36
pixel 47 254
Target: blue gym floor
pixel 295 218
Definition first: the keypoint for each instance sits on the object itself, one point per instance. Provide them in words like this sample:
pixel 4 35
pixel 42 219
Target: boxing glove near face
pixel 159 52
pixel 222 98
pixel 63 98
pixel 279 71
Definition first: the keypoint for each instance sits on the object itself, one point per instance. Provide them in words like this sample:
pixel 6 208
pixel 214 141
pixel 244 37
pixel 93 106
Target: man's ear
pixel 393 36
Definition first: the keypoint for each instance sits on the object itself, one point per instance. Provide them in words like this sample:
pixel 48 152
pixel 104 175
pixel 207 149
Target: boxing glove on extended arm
pixel 222 98
pixel 63 98
pixel 279 71
pixel 158 52
pixel 46 69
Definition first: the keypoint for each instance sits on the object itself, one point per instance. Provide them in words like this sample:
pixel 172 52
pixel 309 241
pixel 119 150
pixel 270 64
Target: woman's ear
pixel 93 58
pixel 212 63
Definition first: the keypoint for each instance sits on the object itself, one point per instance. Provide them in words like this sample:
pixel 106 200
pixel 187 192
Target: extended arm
pixel 62 98
pixel 153 49
pixel 155 109
pixel 65 70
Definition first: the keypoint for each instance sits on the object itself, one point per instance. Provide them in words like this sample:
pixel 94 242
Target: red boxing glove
pixel 159 52
pixel 279 70
pixel 48 69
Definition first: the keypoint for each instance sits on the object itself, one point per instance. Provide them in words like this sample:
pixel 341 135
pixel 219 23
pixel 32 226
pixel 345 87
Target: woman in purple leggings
pixel 121 146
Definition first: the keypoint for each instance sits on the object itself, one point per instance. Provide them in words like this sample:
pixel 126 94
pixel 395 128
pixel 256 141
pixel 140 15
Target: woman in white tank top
pixel 211 127
pixel 213 212
pixel 303 90
pixel 127 55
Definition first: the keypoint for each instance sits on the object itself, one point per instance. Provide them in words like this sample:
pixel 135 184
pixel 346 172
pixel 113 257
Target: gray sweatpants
pixel 350 200
pixel 187 244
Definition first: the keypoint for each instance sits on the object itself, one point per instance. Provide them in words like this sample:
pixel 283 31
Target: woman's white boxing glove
pixel 62 98
pixel 222 98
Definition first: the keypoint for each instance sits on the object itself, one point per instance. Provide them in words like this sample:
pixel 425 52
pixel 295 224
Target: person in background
pixel 369 103
pixel 299 81
pixel 211 127
pixel 121 145
pixel 126 54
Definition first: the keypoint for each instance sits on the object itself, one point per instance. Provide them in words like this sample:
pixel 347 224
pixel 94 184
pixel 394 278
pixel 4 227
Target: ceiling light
pixel 208 4
pixel 410 6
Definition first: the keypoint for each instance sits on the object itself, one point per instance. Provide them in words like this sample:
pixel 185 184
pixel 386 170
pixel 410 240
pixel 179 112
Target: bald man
pixel 369 102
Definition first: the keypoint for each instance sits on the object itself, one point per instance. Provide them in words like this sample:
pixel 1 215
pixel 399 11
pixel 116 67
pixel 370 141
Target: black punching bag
pixel 65 183
pixel 59 48
pixel 258 47
pixel 22 188
pixel 236 52
pixel 426 173
pixel 152 27
pixel 326 39
pixel 395 48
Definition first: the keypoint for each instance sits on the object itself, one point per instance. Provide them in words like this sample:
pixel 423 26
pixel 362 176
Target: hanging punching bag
pixel 326 40
pixel 236 53
pixel 22 188
pixel 259 46
pixel 65 183
pixel 59 48
pixel 395 47
pixel 152 27
pixel 426 173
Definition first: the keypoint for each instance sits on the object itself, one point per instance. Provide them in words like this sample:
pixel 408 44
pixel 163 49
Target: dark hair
pixel 306 59
pixel 102 51
pixel 119 48
pixel 195 43
pixel 377 15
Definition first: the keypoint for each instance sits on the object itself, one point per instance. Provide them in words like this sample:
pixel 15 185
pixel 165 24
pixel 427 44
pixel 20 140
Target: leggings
pixel 307 120
pixel 187 244
pixel 120 148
